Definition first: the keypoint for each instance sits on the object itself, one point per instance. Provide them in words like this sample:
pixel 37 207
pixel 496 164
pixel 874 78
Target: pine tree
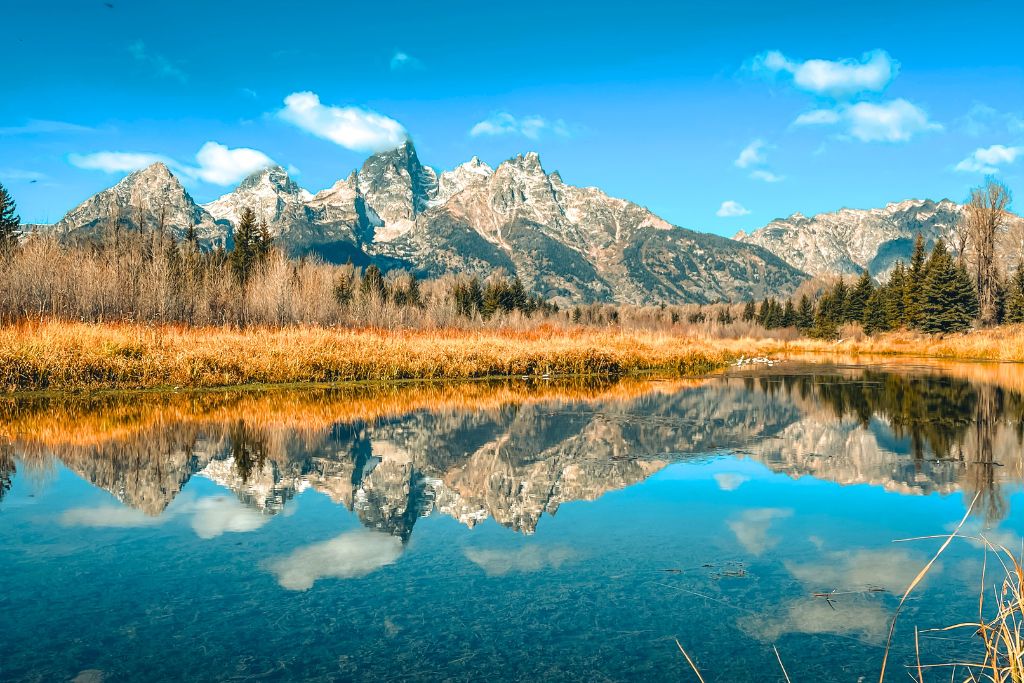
pixel 950 298
pixel 10 222
pixel 789 314
pixel 805 314
pixel 749 311
pixel 913 292
pixel 875 317
pixel 244 254
pixel 1015 297
pixel 763 313
pixel 893 297
pixel 858 297
pixel 264 242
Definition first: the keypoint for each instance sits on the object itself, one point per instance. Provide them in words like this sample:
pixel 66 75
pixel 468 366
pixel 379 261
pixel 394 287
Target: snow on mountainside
pixel 849 240
pixel 566 243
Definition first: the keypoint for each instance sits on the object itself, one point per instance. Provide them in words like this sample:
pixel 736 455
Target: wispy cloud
pixel 215 163
pixel 354 128
pixel 730 481
pixel 890 121
pixel 751 528
pixel 752 155
pixel 520 560
pixel 117 162
pixel 766 176
pixel 838 79
pixel 531 127
pixel 731 209
pixel 44 126
pixel 403 61
pixel 350 555
pixel 989 159
pixel 21 174
pixel 158 64
pixel 982 119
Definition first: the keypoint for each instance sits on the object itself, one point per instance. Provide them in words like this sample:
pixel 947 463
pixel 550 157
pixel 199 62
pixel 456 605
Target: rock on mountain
pixel 566 243
pixel 849 240
pixel 149 199
pixel 574 244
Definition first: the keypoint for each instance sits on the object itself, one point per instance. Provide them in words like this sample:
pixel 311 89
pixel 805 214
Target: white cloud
pixel 527 559
pixel 157 63
pixel 752 155
pixel 751 528
pixel 889 121
pixel 44 126
pixel 117 162
pixel 350 555
pixel 403 61
pixel 766 176
pixel 988 159
pixel 354 128
pixel 503 123
pixel 818 117
pixel 216 163
pixel 21 174
pixel 838 79
pixel 108 517
pixel 222 166
pixel 730 481
pixel 217 515
pixel 731 209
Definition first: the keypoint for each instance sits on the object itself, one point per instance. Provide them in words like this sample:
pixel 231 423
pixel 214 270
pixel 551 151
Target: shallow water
pixel 507 531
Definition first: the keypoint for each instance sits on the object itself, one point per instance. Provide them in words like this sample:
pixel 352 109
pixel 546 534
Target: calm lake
pixel 507 531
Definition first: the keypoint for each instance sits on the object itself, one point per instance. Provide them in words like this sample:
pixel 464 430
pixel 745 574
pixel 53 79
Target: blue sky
pixel 718 117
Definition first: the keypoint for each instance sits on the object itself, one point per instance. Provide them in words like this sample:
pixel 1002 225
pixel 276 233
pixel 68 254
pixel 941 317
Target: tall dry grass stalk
pixel 70 356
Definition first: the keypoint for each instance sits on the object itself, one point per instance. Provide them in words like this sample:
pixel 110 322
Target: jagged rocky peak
pixel 473 173
pixel 270 192
pixel 396 184
pixel 151 198
pixel 849 240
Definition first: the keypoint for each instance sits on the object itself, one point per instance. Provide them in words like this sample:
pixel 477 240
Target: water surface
pixel 504 531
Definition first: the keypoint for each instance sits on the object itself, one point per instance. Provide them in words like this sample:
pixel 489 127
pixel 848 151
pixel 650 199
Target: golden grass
pixel 74 356
pixel 87 356
pixel 1005 343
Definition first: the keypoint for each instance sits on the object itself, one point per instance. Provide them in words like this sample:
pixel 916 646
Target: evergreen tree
pixel 749 311
pixel 763 313
pixel 264 242
pixel 244 254
pixel 893 297
pixel 950 299
pixel 858 297
pixel 1015 297
pixel 913 292
pixel 999 287
pixel 724 316
pixel 805 314
pixel 10 222
pixel 789 314
pixel 876 318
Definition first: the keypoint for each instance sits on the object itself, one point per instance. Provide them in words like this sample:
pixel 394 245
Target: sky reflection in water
pixel 502 531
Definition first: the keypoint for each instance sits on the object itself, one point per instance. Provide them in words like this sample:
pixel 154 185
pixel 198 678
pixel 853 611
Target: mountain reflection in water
pixel 514 451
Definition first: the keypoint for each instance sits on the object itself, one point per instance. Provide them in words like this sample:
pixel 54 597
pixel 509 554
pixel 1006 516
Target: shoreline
pixel 54 357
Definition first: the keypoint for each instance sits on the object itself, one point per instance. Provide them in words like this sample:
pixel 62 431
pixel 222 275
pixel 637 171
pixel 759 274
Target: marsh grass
pixel 84 356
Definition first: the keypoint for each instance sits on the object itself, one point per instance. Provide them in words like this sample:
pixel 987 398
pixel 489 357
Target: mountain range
pixel 847 241
pixel 566 243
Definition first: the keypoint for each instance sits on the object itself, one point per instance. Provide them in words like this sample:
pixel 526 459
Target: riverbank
pixel 61 356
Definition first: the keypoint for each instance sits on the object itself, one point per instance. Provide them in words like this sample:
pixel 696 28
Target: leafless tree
pixel 985 218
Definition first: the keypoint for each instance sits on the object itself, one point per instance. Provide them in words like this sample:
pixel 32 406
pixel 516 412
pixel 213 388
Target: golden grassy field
pixel 63 356
pixel 81 356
